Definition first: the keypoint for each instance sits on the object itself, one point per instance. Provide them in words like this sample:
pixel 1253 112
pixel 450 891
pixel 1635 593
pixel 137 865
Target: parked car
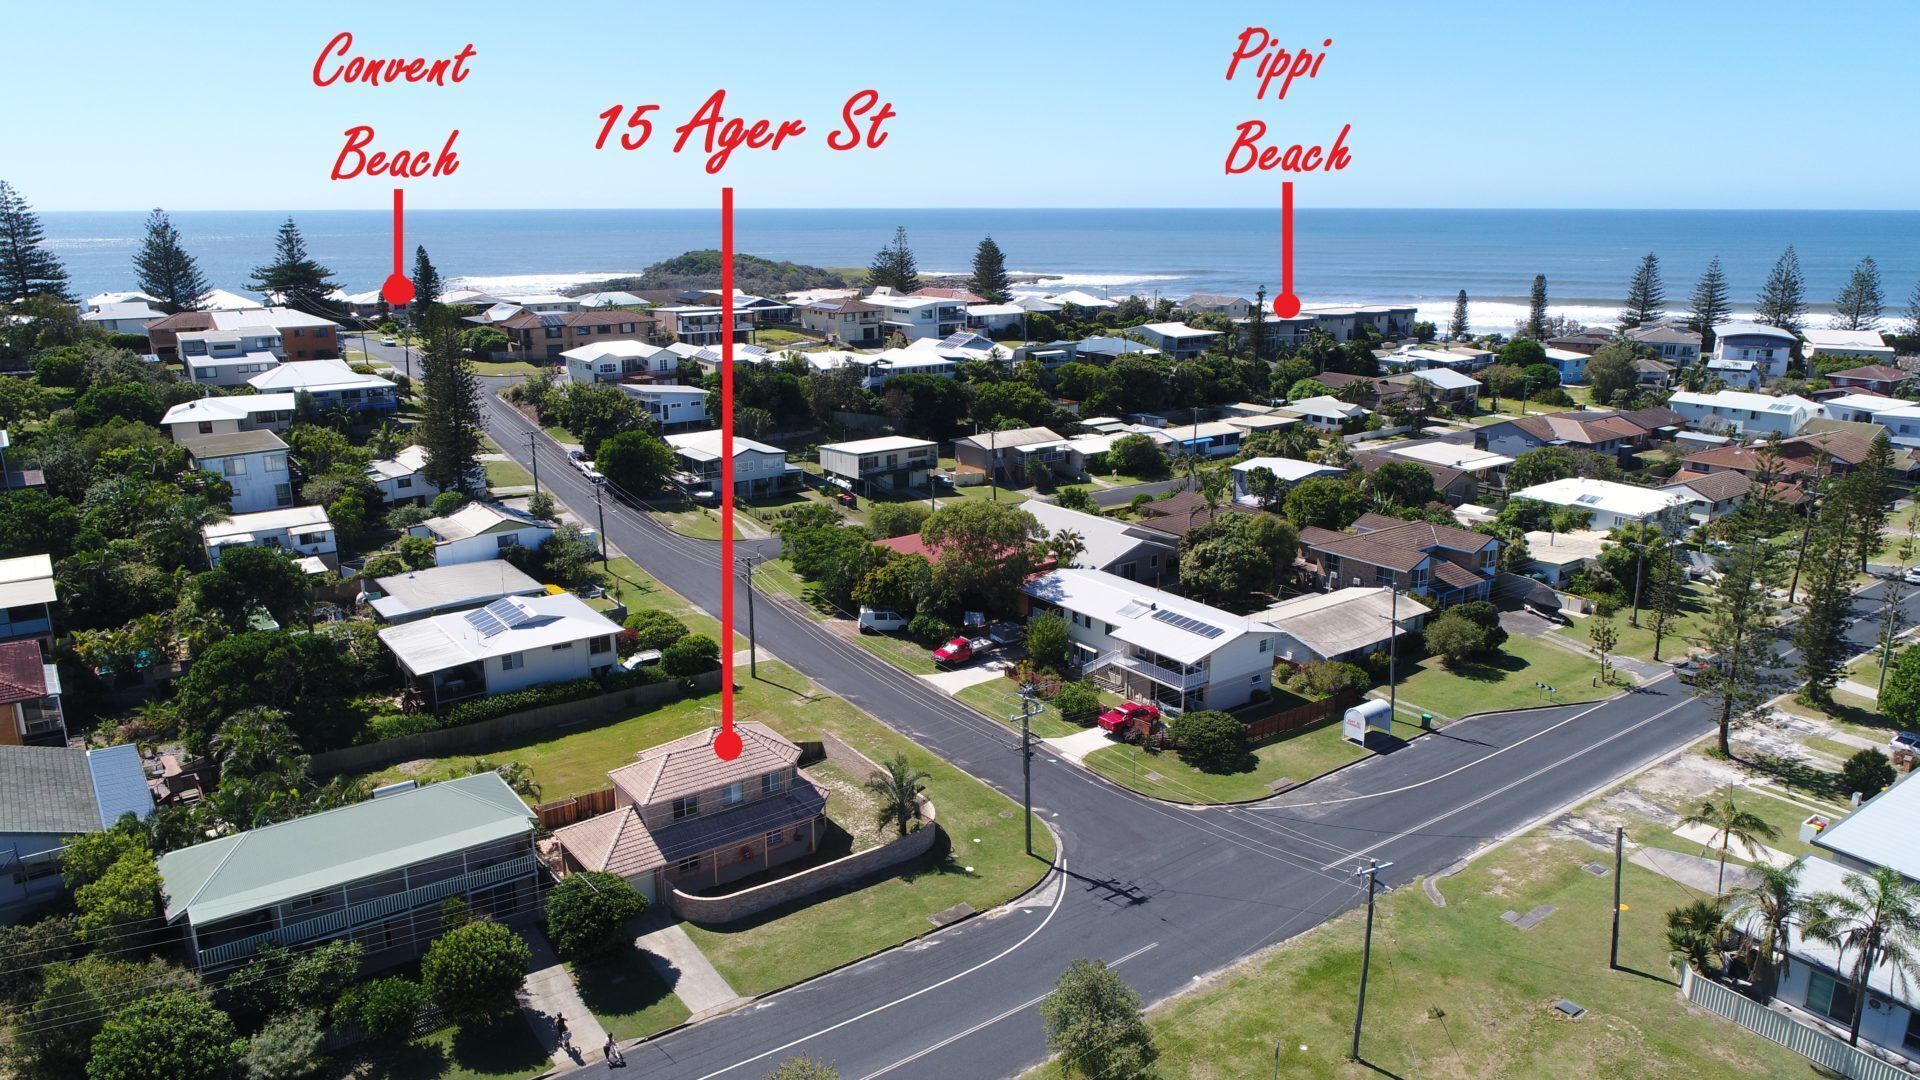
pixel 587 470
pixel 389 343
pixel 1905 740
pixel 1130 721
pixel 880 620
pixel 1912 576
pixel 959 650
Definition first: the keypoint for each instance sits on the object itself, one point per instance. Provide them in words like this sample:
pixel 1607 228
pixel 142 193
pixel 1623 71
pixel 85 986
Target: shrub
pixel 447 502
pixel 1456 637
pixel 473 971
pixel 692 655
pixel 288 1048
pixel 929 629
pixel 389 1008
pixel 1606 606
pixel 1866 772
pixel 179 1035
pixel 1078 702
pixel 1209 740
pixel 1047 641
pixel 654 629
pixel 586 914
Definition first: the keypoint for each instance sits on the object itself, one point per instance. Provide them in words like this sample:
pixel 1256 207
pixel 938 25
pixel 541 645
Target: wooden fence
pixel 1300 716
pixel 553 815
pixel 1811 1043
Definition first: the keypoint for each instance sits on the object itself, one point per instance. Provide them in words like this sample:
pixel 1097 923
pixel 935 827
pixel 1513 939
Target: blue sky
pixel 1116 103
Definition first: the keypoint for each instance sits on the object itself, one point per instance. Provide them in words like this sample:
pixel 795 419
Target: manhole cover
pixel 1597 870
pixel 1569 1009
pixel 951 915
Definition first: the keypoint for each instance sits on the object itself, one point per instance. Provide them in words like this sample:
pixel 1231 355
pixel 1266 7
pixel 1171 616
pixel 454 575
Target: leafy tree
pixel 989 280
pixel 1820 632
pixel 267 578
pixel 635 461
pixel 1209 740
pixel 655 629
pixel 1540 465
pixel 1605 637
pixel 595 413
pixel 125 898
pixel 899 584
pixel 894 266
pixel 293 276
pixel 803 1068
pixel 289 1047
pixel 1455 637
pixel 1877 919
pixel 179 1035
pixel 1613 370
pixel 305 676
pixel 695 654
pixel 1095 1025
pixel 1521 353
pixel 162 268
pixel 1402 483
pixel 28 947
pixel 1900 697
pixel 1867 772
pixel 1010 402
pixel 1324 501
pixel 1226 569
pixel 1782 301
pixel 896 789
pixel 886 520
pixel 1739 635
pixel 1076 498
pixel 929 404
pixel 483 341
pixel 1537 309
pixel 1047 641
pixel 1730 825
pixel 390 1007
pixel 27 268
pixel 985 550
pixel 427 287
pixel 473 971
pixel 449 428
pixel 1645 294
pixel 1867 497
pixel 1459 329
pixel 1859 305
pixel 1709 306
pixel 1694 931
pixel 1137 455
pixel 587 914
pixel 89 856
pixel 832 557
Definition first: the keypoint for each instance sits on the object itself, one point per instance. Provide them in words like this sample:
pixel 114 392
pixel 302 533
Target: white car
pixel 1912 576
pixel 389 342
pixel 591 473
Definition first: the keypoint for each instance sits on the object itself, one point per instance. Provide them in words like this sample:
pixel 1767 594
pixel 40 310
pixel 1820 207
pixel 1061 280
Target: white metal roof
pixel 286 517
pixel 316 375
pixel 1744 329
pixel 1583 493
pixel 877 446
pixel 1451 455
pixel 1286 470
pixel 1740 399
pixel 1183 630
pixel 1177 330
pixel 1106 540
pixel 1325 406
pixel 277 318
pixel 405 462
pixel 1844 339
pixel 621 349
pixel 1440 378
pixel 27 579
pixel 1881 831
pixel 509 625
pixel 705 445
pixel 227 407
pixel 476 519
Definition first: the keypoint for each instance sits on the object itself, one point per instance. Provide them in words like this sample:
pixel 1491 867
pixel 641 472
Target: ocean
pixel 1421 257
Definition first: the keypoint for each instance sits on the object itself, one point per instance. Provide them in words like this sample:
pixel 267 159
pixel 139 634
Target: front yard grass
pixel 1457 993
pixel 1505 681
pixel 1292 758
pixel 1637 641
pixel 627 996
pixel 507 1049
pixel 507 473
pixel 498 368
pixel 1000 699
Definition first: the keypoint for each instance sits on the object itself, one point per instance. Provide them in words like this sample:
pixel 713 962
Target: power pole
pixel 600 508
pixel 533 455
pixel 753 639
pixel 1639 570
pixel 1028 707
pixel 1619 864
pixel 1372 872
pixel 1393 654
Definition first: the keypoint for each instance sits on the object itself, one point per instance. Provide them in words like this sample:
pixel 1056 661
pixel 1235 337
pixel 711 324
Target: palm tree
pixel 1765 910
pixel 1730 823
pixel 896 789
pixel 1693 931
pixel 1878 920
pixel 1066 546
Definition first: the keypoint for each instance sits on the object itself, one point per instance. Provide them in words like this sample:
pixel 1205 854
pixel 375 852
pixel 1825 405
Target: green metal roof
pixel 262 867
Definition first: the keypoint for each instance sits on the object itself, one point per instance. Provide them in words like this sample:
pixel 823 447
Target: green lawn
pixel 1000 699
pixel 496 368
pixel 1505 682
pixel 695 522
pixel 1637 641
pixel 1457 993
pixel 501 474
pixel 774 338
pixel 639 591
pixel 507 1049
pixel 561 435
pixel 627 996
pixel 1294 757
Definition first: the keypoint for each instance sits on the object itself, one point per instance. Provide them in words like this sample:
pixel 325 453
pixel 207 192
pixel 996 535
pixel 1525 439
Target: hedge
pixel 393 725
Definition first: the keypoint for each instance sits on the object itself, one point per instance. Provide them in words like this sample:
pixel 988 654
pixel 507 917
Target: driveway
pixel 1077 746
pixel 952 682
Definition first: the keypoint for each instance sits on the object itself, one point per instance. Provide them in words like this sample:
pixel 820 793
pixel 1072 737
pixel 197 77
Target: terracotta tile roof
pixel 620 842
pixel 23 675
pixel 1589 428
pixel 529 320
pixel 1873 372
pixel 1714 487
pixel 688 766
pixel 617 842
pixel 1452 573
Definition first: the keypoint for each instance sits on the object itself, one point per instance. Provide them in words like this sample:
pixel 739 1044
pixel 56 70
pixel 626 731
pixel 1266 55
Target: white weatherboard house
pixel 1110 545
pixel 253 463
pixel 1868 345
pixel 1154 646
pixel 670 406
pixel 332 384
pixel 1325 413
pixel 27 596
pixel 1286 473
pixel 400 478
pixel 234 412
pixel 1769 347
pixel 510 644
pixel 437 590
pixel 125 317
pixel 916 317
pixel 758 469
pixel 891 461
pixel 613 361
pixel 229 357
pixel 297 530
pixel 1860 408
pixel 1177 340
pixel 480 531
pixel 1740 413
pixel 1611 504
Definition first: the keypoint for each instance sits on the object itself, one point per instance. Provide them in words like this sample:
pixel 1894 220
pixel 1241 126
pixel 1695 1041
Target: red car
pixel 1130 721
pixel 960 650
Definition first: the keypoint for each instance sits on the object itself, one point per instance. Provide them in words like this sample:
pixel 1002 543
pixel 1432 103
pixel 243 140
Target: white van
pixel 880 620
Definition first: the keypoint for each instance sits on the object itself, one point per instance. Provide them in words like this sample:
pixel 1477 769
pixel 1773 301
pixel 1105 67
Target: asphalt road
pixel 1167 893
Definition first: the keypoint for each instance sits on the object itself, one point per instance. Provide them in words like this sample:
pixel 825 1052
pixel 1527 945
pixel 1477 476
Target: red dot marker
pixel 1286 305
pixel 398 291
pixel 727 744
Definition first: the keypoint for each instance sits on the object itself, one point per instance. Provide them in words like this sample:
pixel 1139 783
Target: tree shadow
pixel 1795 774
pixel 622 984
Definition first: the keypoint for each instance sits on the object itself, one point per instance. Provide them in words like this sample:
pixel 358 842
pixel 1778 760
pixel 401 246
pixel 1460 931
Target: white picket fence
pixel 1811 1043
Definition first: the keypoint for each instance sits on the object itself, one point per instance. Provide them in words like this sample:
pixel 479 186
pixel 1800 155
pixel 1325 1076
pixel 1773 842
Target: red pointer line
pixel 399 217
pixel 727 745
pixel 397 290
pixel 1287 304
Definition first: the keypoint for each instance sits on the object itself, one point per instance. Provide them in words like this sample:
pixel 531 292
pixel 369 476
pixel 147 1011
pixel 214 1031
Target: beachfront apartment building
pixel 480 531
pixel 27 597
pixel 759 470
pixel 300 336
pixel 844 320
pixel 378 872
pixel 1738 412
pixel 510 644
pixel 1151 645
pixel 622 360
pixel 670 406
pixel 1177 340
pixel 304 532
pixel 233 412
pixel 684 818
pixel 916 317
pixel 891 462
pixel 253 463
pixel 329 385
pixel 1769 347
pixel 537 336
pixel 51 794
pixel 1610 505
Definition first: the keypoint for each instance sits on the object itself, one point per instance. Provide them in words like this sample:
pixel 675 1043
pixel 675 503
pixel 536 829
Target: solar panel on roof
pixel 485 622
pixel 508 612
pixel 1188 623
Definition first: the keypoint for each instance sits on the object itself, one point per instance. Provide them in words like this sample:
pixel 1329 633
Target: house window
pixel 277 463
pixel 1383 576
pixel 206 427
pixel 734 794
pixel 1912 1038
pixel 772 783
pixel 1266 644
pixel 403 483
pixel 283 494
pixel 626 328
pixel 776 838
pixel 513 661
pixel 508 541
pixel 1830 997
pixel 562 646
pixel 689 864
pixel 234 466
pixel 686 806
pixel 600 645
pixel 553 331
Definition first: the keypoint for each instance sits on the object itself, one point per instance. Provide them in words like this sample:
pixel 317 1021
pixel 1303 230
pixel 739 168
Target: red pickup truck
pixel 960 650
pixel 1130 722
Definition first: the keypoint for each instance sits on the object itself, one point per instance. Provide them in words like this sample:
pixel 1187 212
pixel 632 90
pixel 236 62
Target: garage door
pixel 643 884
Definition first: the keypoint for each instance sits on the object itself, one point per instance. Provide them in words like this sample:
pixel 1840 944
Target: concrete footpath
pixel 549 993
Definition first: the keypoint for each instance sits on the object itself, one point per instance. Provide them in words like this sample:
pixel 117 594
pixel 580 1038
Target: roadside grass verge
pixel 1296 756
pixel 1505 681
pixel 508 473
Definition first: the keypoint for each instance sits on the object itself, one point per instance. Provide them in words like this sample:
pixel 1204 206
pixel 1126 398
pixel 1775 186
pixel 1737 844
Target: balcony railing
pixel 1165 676
pixel 335 923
